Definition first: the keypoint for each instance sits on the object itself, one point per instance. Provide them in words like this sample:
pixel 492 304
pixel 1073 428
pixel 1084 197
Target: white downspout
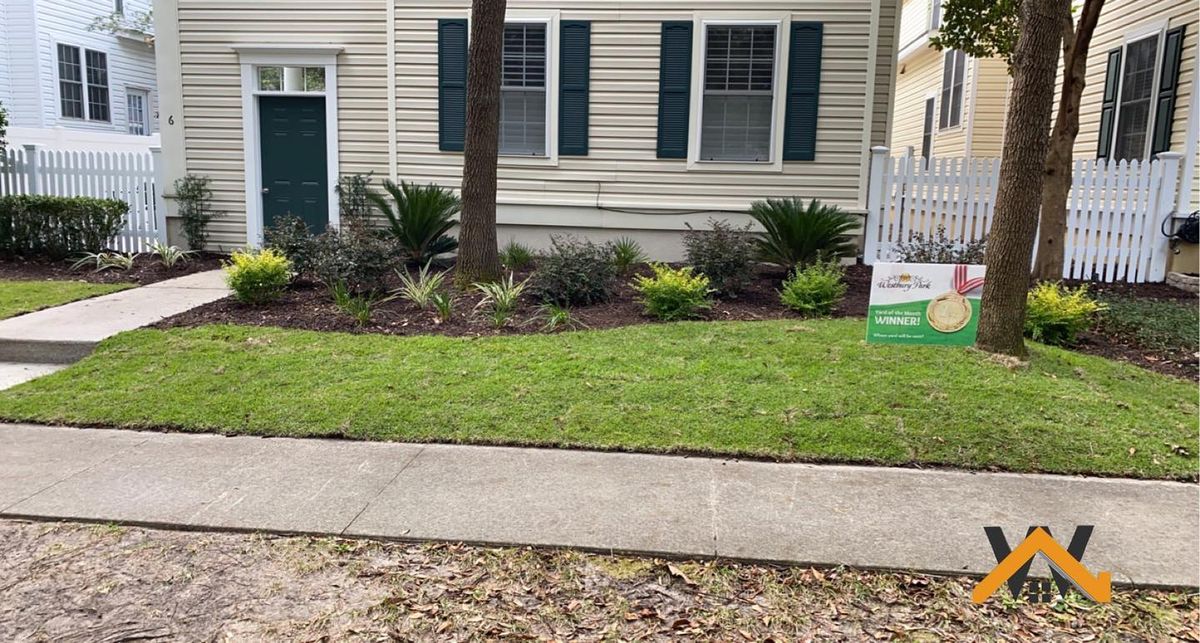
pixel 1187 181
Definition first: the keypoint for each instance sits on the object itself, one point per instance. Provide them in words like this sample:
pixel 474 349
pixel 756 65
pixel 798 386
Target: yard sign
pixel 924 303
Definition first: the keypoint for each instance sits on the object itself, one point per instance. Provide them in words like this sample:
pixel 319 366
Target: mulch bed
pixel 146 270
pixel 308 306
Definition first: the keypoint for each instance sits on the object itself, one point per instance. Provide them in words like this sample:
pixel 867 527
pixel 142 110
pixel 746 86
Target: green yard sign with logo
pixel 924 303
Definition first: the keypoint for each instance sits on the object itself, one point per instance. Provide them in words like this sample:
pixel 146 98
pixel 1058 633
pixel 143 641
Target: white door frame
pixel 253 56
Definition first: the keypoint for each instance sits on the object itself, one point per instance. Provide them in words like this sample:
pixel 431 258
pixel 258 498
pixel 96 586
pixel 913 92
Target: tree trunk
pixel 478 259
pixel 1010 243
pixel 1053 230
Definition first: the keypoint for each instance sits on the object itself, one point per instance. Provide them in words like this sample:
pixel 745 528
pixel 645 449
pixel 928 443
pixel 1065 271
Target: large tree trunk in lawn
pixel 478 259
pixel 1018 197
pixel 1053 230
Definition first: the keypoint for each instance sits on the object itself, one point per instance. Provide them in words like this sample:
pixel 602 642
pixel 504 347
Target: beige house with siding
pixel 618 117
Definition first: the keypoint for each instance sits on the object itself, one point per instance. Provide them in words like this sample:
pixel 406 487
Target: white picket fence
pixel 132 177
pixel 1114 210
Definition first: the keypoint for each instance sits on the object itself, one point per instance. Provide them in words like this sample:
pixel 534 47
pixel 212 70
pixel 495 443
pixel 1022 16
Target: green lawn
pixel 19 297
pixel 786 389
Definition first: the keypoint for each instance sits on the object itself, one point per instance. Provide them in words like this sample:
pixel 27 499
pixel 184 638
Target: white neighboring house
pixel 65 86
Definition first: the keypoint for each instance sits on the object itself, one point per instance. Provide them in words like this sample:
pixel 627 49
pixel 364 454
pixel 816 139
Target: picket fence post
pixel 33 168
pixel 875 204
pixel 1165 207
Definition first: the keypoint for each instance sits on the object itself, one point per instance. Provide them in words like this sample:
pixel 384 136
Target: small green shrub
pixel 194 197
pixel 500 299
pixel 419 216
pixel 105 261
pixel 796 234
pixel 420 289
pixel 257 276
pixel 515 256
pixel 938 248
pixel 291 236
pixel 724 254
pixel 575 273
pixel 443 303
pixel 627 253
pixel 673 294
pixel 1150 323
pixel 170 256
pixel 1056 314
pixel 813 290
pixel 359 259
pixel 58 227
pixel 359 307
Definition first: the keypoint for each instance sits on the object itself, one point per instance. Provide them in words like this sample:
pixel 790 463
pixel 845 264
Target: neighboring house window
pixel 739 93
pixel 935 15
pixel 97 85
pixel 523 90
pixel 953 74
pixel 137 112
pixel 70 82
pixel 119 7
pixel 927 130
pixel 1137 93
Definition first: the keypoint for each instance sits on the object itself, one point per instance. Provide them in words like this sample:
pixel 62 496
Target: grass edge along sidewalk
pixel 18 297
pixel 788 390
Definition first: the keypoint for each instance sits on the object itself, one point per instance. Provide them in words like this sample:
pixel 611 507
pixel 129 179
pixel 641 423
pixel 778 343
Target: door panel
pixel 294 167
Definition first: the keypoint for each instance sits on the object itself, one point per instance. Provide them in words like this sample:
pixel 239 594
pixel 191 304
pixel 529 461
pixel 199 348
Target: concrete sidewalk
pixel 30 345
pixel 1146 532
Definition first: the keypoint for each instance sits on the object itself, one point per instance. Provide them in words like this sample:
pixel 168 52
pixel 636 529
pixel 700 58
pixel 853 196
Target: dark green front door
pixel 294 167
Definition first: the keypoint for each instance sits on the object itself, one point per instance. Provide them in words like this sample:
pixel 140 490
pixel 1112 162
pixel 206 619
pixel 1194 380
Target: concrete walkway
pixel 1146 532
pixel 30 345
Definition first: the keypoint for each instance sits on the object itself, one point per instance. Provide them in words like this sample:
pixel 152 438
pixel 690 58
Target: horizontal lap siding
pixel 212 103
pixel 621 169
pixel 991 100
pixel 885 61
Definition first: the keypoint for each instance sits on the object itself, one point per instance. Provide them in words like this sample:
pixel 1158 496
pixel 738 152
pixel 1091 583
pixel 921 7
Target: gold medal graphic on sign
pixel 948 312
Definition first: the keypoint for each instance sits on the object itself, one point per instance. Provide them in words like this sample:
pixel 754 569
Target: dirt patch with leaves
pixel 86 582
pixel 146 270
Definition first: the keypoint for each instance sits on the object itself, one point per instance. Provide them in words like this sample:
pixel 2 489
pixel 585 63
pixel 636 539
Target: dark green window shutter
pixel 1108 104
pixel 574 74
pixel 803 92
pixel 452 84
pixel 674 89
pixel 1164 107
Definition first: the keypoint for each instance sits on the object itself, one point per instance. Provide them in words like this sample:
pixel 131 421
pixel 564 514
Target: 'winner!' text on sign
pixel 924 303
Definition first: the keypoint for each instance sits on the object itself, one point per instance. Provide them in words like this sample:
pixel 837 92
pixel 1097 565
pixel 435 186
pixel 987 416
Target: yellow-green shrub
pixel 673 294
pixel 258 276
pixel 814 290
pixel 1056 314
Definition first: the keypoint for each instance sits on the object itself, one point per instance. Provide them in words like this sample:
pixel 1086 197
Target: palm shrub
pixel 724 254
pixel 257 276
pixel 797 234
pixel 419 216
pixel 673 294
pixel 814 289
pixel 1056 314
pixel 627 253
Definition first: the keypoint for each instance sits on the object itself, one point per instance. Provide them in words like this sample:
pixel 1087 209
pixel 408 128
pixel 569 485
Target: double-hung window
pixel 523 90
pixel 83 84
pixel 1137 95
pixel 739 93
pixel 953 73
pixel 935 15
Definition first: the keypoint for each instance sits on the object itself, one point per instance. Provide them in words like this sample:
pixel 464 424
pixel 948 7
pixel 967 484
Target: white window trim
pixel 1156 30
pixel 253 56
pixel 83 82
pixel 145 92
pixel 962 105
pixel 551 20
pixel 782 21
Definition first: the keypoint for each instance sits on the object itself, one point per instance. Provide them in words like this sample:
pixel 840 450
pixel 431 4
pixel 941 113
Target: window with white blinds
pixel 739 93
pixel 523 90
pixel 954 71
pixel 1137 92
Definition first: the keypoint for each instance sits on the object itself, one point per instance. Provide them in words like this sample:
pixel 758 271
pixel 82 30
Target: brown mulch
pixel 71 582
pixel 146 270
pixel 309 306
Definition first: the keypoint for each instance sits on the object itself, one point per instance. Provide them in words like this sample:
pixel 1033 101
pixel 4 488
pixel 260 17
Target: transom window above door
pixel 738 102
pixel 291 79
pixel 523 90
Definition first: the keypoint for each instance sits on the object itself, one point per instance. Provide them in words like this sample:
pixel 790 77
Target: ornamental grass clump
pixel 814 290
pixel 1056 314
pixel 673 294
pixel 257 277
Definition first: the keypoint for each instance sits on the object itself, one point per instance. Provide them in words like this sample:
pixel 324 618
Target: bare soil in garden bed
pixel 146 270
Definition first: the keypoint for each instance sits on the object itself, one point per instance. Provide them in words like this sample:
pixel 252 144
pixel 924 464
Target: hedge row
pixel 56 226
